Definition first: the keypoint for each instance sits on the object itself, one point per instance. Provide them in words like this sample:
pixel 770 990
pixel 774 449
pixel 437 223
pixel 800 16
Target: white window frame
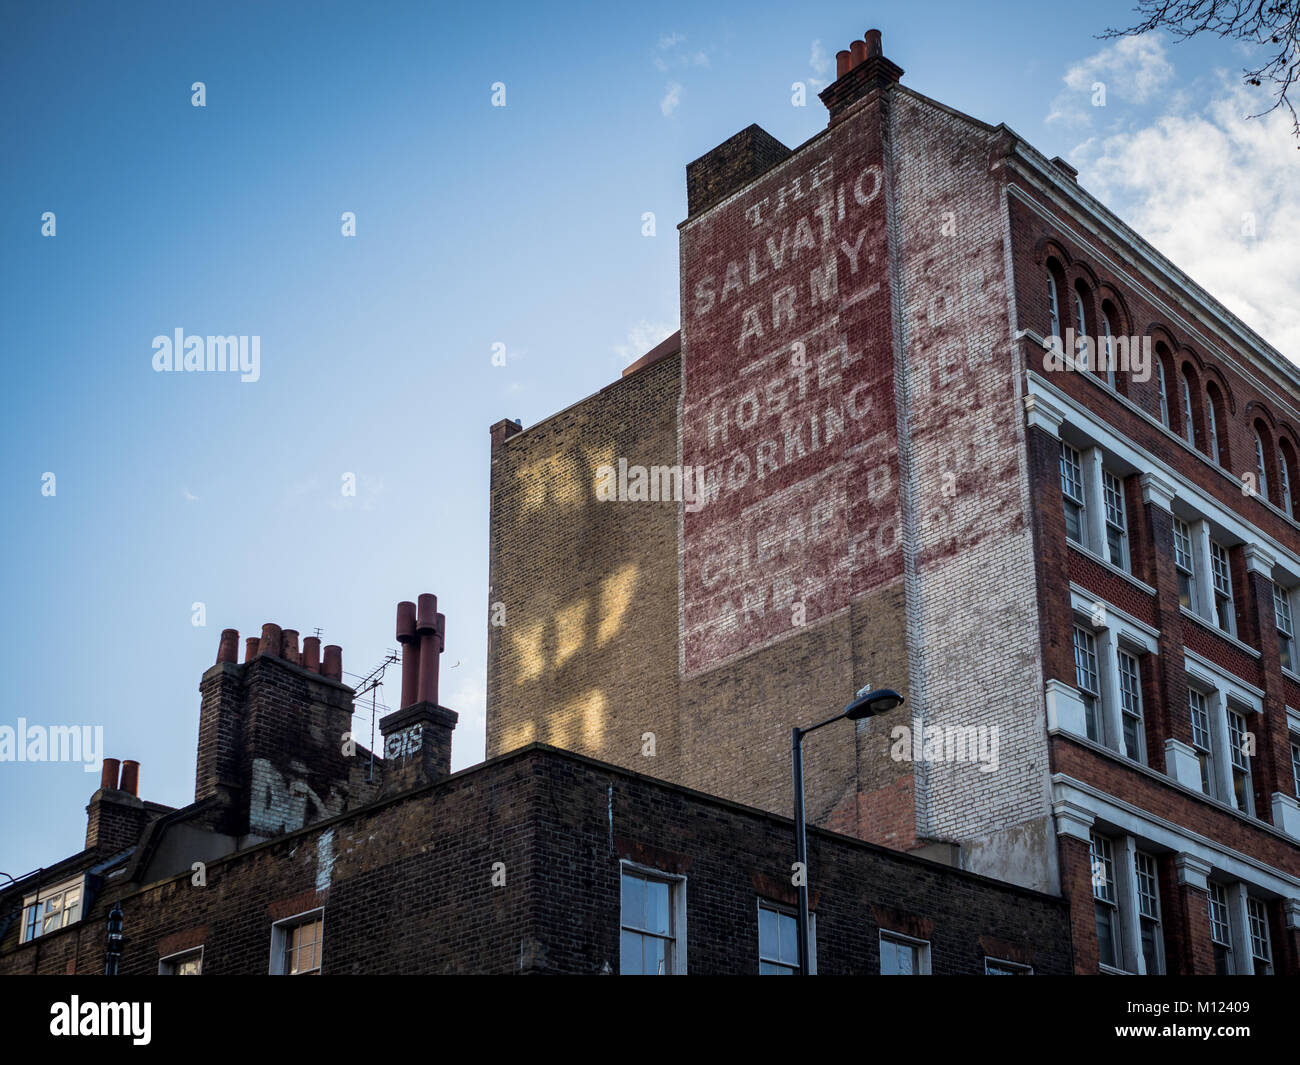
pixel 1015 968
pixel 1295 762
pixel 69 914
pixel 1239 760
pixel 167 966
pixel 1112 490
pixel 1221 924
pixel 1087 679
pixel 1285 476
pixel 1163 388
pixel 1198 710
pixel 1189 425
pixel 1225 611
pixel 1185 561
pixel 676 908
pixel 279 940
pixel 788 911
pixel 1074 490
pixel 900 939
pixel 1054 308
pixel 1129 679
pixel 1261 471
pixel 1146 876
pixel 1285 627
pixel 1080 341
pixel 1261 947
pixel 1212 428
pixel 1106 892
pixel 1109 341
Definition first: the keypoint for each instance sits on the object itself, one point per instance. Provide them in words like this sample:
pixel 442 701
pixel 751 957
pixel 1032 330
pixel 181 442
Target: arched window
pixel 1284 475
pixel 1189 428
pixel 1107 347
pixel 1260 471
pixel 1164 390
pixel 1213 426
pixel 1053 304
pixel 1081 330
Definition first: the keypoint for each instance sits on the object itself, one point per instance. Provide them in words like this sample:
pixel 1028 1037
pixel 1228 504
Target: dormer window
pixel 52 908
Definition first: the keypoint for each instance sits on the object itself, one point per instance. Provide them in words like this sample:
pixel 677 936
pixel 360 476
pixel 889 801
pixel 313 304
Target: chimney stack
pixel 115 816
pixel 417 737
pixel 858 72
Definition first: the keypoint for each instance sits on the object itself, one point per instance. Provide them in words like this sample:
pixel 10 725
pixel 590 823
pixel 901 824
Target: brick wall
pixel 406 886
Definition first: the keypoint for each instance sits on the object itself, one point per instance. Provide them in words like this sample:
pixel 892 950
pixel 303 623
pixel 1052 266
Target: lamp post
pixel 113 954
pixel 867 703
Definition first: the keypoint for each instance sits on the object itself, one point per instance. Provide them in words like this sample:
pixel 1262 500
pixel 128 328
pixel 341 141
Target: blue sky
pixel 476 225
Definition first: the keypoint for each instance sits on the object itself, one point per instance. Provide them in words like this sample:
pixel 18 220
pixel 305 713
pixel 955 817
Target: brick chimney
pixel 859 70
pixel 730 166
pixel 417 737
pixel 115 816
pixel 275 735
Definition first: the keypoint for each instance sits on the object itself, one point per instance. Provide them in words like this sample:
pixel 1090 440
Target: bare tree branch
pixel 1270 25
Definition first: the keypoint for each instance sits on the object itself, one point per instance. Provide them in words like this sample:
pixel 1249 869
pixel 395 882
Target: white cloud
pixel 1193 182
pixel 819 60
pixel 671 40
pixel 1131 70
pixel 190 497
pixel 672 98
pixel 641 338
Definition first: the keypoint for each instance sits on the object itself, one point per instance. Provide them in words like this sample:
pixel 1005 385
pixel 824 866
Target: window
pixel 1189 429
pixel 1164 392
pixel 188 963
pixel 1148 893
pixel 1112 490
pixel 1213 429
pixel 1081 326
pixel 1257 918
pixel 298 944
pixel 1284 475
pixel 903 956
pixel 1285 626
pixel 1086 678
pixel 1201 740
pixel 1220 930
pixel 778 940
pixel 1295 765
pixel 1260 471
pixel 1105 899
pixel 1239 754
pixel 1130 700
pixel 1053 305
pixel 1072 490
pixel 1108 346
pixel 1223 612
pixel 997 967
pixel 51 908
pixel 1184 563
pixel 651 913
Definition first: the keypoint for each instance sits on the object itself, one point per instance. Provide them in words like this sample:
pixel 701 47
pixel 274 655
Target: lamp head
pixel 869 703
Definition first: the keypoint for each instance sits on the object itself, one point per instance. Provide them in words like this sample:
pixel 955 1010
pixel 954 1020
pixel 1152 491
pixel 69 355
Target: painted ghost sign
pixel 788 402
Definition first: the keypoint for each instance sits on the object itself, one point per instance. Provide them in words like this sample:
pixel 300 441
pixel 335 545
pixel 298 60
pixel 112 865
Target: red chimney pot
pixel 131 777
pixel 228 648
pixel 108 773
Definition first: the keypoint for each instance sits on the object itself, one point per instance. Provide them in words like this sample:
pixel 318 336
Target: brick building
pixel 1082 573
pixel 301 854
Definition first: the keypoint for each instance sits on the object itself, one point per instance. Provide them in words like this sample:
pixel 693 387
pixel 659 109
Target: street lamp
pixel 867 703
pixel 113 954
